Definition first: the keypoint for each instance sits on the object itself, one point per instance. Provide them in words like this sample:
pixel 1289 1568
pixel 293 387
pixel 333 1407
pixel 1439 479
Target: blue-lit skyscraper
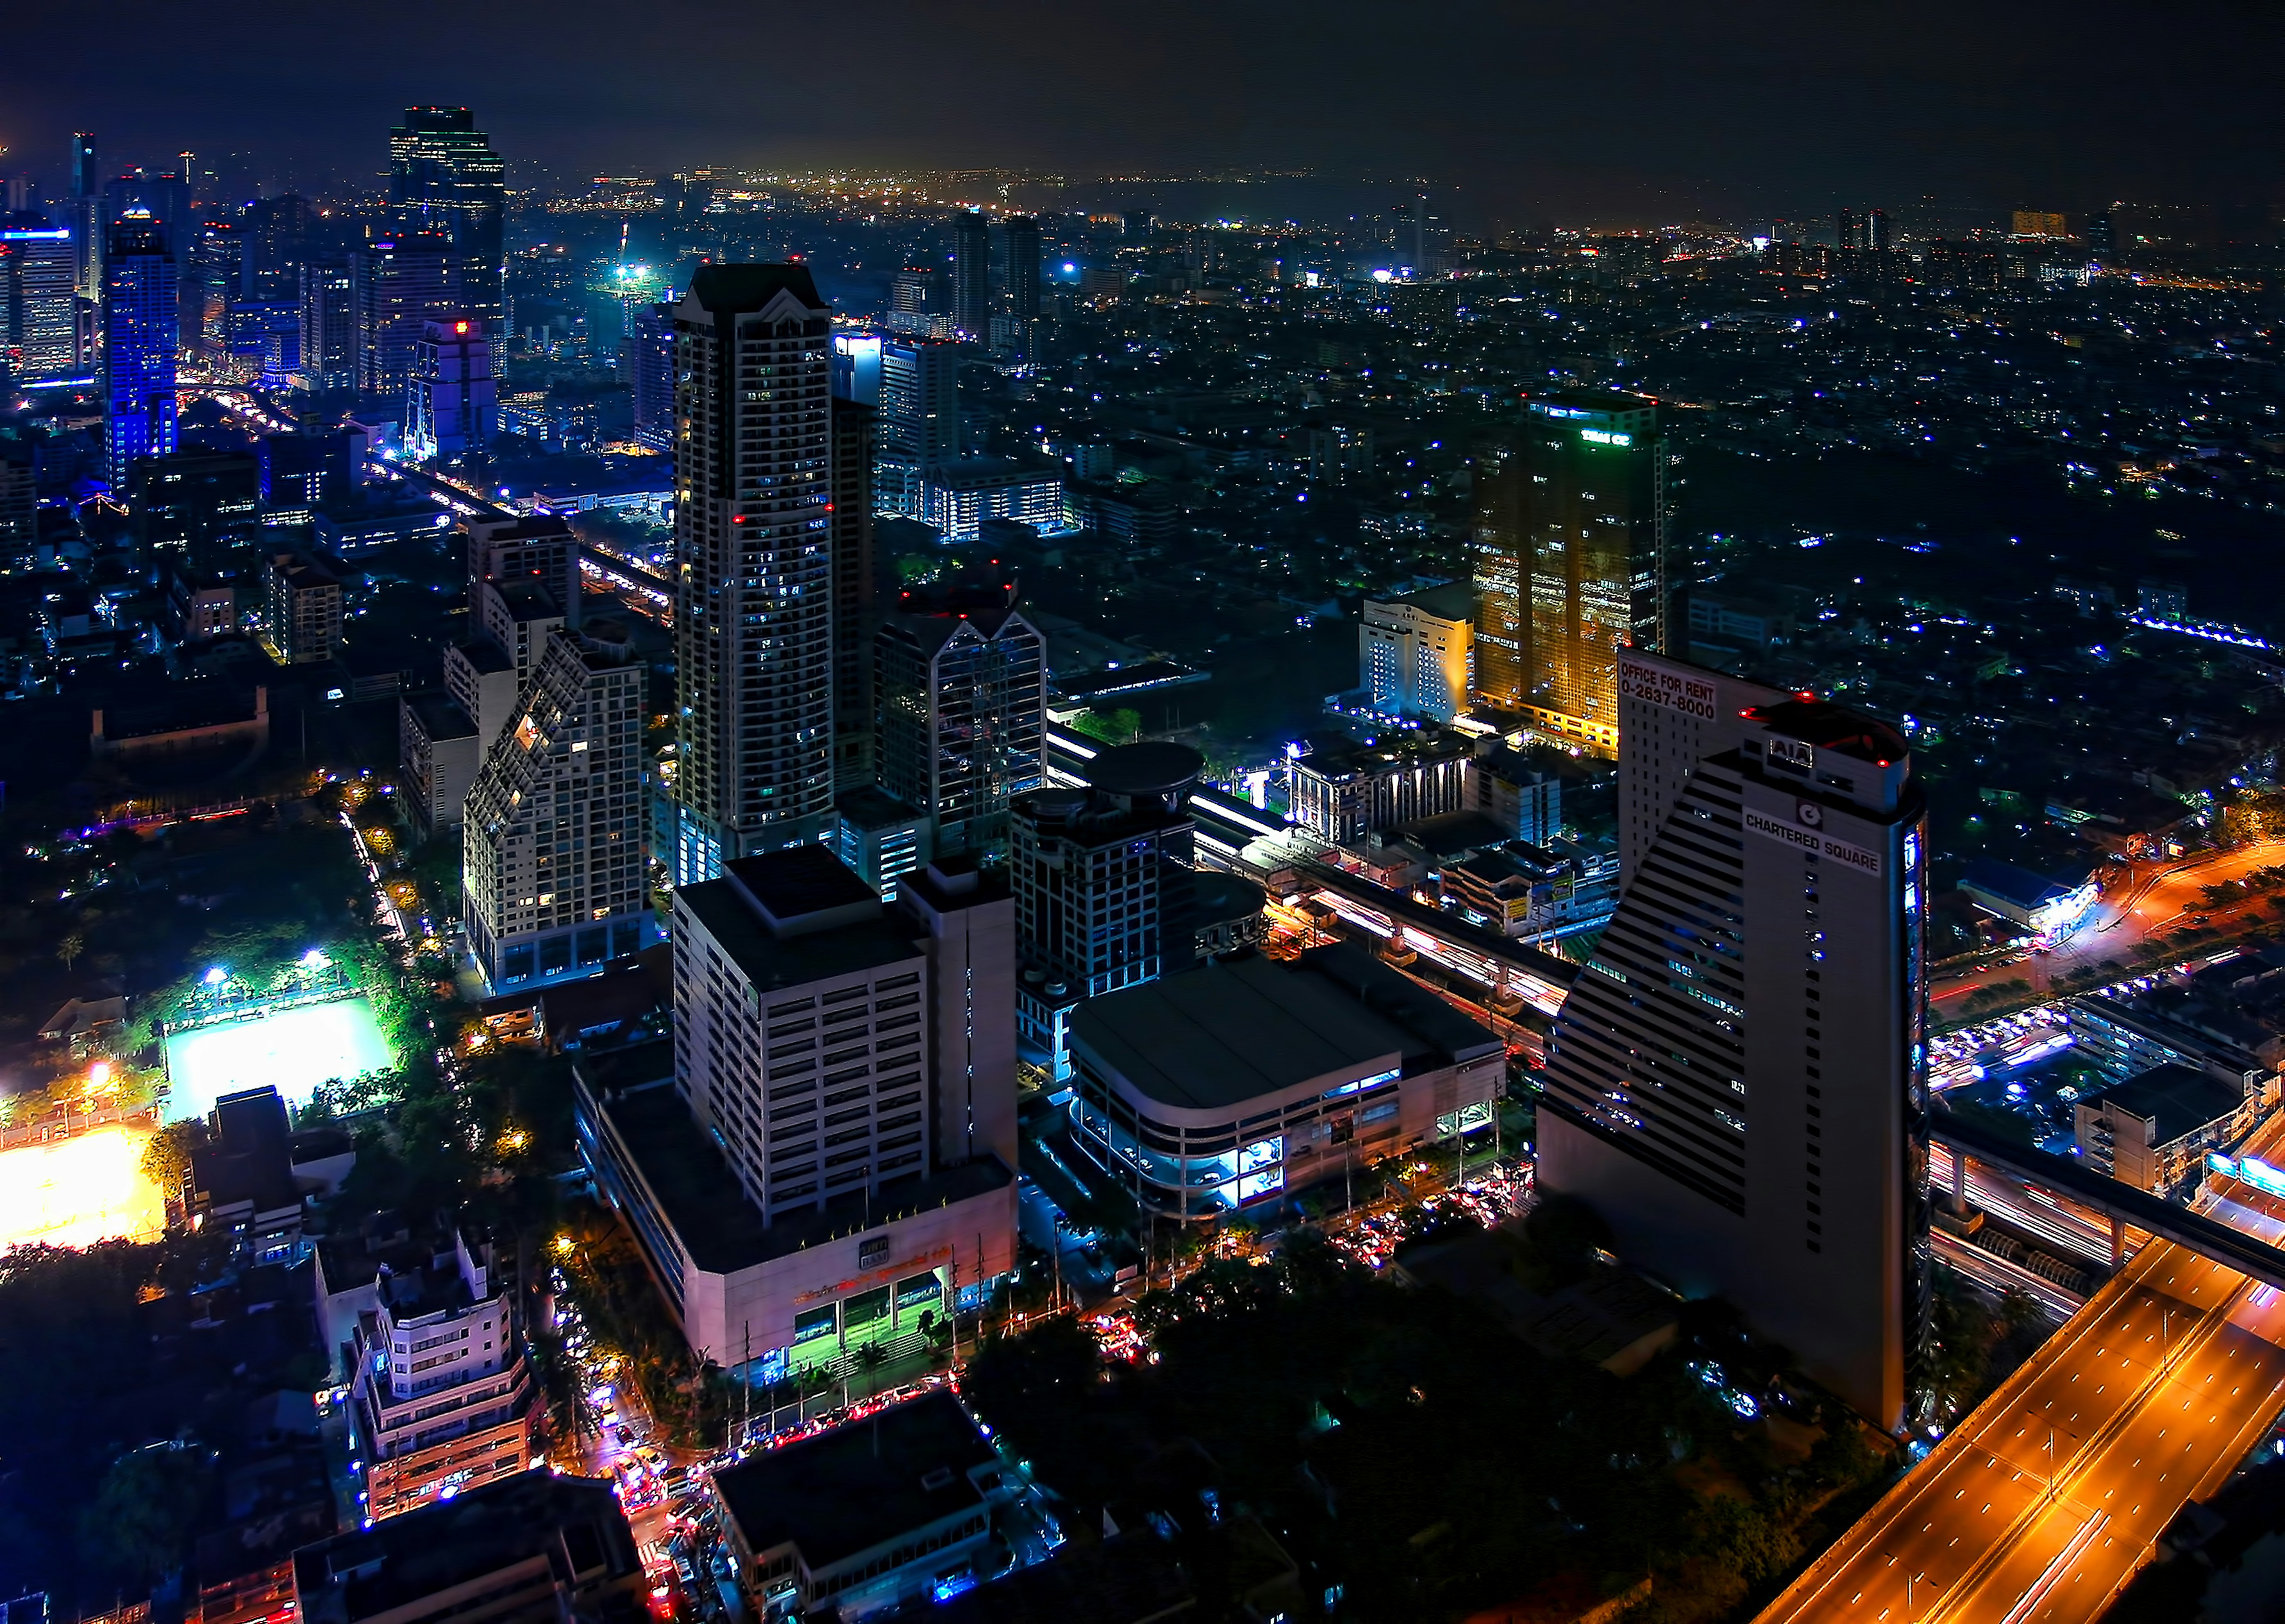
pixel 140 337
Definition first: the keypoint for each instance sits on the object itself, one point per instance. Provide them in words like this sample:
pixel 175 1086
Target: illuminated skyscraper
pixel 139 332
pixel 1016 285
pixel 441 169
pixel 853 423
pixel 649 354
pixel 1738 1083
pixel 753 620
pixel 971 274
pixel 329 325
pixel 88 218
pixel 451 397
pixel 958 686
pixel 919 429
pixel 39 320
pixel 401 284
pixel 1570 561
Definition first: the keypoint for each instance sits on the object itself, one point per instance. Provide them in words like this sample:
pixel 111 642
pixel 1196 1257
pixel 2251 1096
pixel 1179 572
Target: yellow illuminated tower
pixel 1570 561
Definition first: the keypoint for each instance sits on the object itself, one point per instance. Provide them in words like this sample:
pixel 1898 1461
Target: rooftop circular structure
pixel 1153 767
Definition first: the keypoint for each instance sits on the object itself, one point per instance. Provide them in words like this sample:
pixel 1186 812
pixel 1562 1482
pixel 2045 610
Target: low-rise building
pixel 441 1396
pixel 241 1178
pixel 863 1518
pixel 2153 1130
pixel 1523 889
pixel 1414 653
pixel 1343 792
pixel 536 1548
pixel 1242 1081
pixel 2046 905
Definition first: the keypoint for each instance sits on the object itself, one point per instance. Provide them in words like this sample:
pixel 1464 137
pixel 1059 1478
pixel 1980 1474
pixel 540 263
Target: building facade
pixel 39 269
pixel 444 176
pixel 1416 653
pixel 1206 1093
pixel 919 428
pixel 301 610
pixel 962 696
pixel 552 870
pixel 400 283
pixel 441 1398
pixel 831 1164
pixel 329 325
pixel 139 334
pixel 1570 561
pixel 753 620
pixel 451 398
pixel 853 613
pixel 1341 793
pixel 1738 1081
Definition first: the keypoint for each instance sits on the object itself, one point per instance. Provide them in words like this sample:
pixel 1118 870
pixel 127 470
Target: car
pixel 625 1436
pixel 651 1456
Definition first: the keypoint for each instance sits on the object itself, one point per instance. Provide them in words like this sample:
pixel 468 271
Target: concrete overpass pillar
pixel 1959 1179
pixel 2117 1240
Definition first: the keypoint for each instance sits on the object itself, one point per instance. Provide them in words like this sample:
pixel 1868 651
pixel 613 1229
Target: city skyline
pixel 1511 106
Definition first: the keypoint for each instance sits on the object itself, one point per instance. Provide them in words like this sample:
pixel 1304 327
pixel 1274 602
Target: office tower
pixel 450 400
pixel 1848 230
pixel 1738 1083
pixel 19 514
pixel 89 216
pixel 221 277
pixel 39 318
pixel 1414 653
pixel 277 230
pixel 1570 561
pixel 553 869
pixel 919 429
pixel 138 344
pixel 329 325
pixel 852 593
pixel 650 375
pixel 533 1545
pixel 915 301
pixel 445 176
pixel 1016 285
pixel 753 615
pixel 1876 231
pixel 971 275
pixel 831 1166
pixel 401 284
pixel 857 367
pixel 959 685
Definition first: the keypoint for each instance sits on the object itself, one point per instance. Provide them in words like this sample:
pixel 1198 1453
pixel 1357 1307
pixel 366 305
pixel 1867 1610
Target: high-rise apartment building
pixel 444 174
pixel 220 278
pixel 39 315
pixel 401 284
pixel 1570 561
pixel 854 616
pixel 753 621
pixel 1016 285
pixel 451 397
pixel 831 1166
pixel 915 301
pixel 89 216
pixel 960 684
pixel 329 325
pixel 919 429
pixel 552 870
pixel 138 344
pixel 1738 1083
pixel 650 375
pixel 971 275
pixel 301 610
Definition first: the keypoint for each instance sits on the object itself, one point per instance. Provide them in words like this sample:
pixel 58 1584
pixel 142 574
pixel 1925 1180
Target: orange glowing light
pixel 459 326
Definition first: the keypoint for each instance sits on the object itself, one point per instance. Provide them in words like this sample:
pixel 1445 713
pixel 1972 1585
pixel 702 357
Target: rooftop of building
pixel 440 716
pixel 869 807
pixel 574 1524
pixel 957 880
pixel 1236 1031
pixel 1449 835
pixel 526 599
pixel 2017 886
pixel 707 1207
pixel 735 289
pixel 857 1487
pixel 2179 1100
pixel 1828 727
pixel 796 916
pixel 1149 767
pixel 1453 601
pixel 1333 755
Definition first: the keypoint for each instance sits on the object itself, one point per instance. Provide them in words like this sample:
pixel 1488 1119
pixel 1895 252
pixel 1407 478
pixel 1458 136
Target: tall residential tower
pixel 753 614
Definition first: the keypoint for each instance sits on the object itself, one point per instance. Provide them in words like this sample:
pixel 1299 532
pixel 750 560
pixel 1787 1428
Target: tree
pixel 70 947
pixel 143 1512
pixel 167 1158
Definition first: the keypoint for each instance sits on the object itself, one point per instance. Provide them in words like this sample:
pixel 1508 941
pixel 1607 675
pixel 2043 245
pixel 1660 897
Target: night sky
pixel 1638 113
